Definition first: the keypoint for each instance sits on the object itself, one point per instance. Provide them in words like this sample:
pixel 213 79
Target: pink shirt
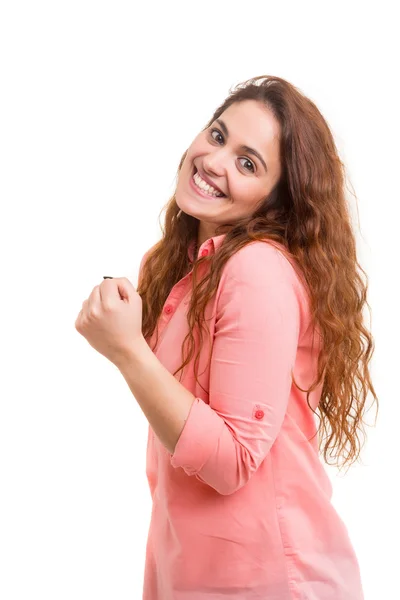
pixel 242 509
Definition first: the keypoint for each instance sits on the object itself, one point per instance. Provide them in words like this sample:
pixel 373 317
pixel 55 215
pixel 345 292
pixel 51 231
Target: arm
pixel 165 402
pixel 255 344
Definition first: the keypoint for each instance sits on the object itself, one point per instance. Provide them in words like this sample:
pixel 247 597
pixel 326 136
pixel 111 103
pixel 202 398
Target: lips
pixel 207 180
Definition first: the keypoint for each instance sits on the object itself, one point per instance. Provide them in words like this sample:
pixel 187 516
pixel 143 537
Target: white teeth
pixel 204 186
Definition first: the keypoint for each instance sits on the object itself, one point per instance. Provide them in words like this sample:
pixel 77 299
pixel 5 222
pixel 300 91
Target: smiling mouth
pixel 220 194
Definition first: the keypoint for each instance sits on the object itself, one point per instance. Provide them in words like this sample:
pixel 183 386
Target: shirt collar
pixel 212 244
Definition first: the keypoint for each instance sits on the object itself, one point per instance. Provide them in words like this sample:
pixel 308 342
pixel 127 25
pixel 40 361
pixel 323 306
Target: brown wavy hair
pixel 307 212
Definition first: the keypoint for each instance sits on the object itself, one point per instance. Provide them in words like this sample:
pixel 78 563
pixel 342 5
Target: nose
pixel 213 163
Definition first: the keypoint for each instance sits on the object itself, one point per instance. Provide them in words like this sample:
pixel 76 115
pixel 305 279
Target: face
pixel 217 155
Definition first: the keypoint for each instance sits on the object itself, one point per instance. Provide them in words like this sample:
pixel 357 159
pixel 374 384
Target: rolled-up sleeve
pixel 257 331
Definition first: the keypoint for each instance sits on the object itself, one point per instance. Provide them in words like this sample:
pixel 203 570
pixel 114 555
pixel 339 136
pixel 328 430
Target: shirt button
pixel 204 252
pixel 259 414
pixel 168 309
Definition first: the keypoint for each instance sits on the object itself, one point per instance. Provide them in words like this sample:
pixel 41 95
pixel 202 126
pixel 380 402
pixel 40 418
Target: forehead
pixel 252 123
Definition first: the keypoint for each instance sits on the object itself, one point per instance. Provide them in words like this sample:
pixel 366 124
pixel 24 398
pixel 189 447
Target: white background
pixel 98 102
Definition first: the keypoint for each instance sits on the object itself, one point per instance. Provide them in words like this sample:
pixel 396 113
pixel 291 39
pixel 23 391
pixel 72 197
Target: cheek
pixel 244 193
pixel 199 147
pixel 196 147
pixel 247 199
pixel 191 155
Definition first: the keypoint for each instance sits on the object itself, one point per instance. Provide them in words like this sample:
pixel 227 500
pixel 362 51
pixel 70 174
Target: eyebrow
pixel 243 146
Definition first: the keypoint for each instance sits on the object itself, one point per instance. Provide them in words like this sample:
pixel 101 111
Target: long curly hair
pixel 307 213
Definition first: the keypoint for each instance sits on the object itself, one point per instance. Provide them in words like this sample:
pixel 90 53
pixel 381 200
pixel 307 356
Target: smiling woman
pixel 268 271
pixel 231 159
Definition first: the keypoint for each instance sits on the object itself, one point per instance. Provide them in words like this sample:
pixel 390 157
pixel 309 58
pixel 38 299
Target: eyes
pixel 243 158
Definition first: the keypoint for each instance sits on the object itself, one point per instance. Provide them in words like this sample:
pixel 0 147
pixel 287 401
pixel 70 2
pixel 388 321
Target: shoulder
pixel 264 269
pixel 261 259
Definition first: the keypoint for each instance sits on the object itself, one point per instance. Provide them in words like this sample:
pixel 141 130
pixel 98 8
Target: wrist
pixel 131 354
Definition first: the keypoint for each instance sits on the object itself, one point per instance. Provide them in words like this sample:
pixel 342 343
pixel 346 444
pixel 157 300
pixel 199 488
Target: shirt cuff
pixel 198 439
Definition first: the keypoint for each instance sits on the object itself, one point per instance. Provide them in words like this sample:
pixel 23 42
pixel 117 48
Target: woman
pixel 259 253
